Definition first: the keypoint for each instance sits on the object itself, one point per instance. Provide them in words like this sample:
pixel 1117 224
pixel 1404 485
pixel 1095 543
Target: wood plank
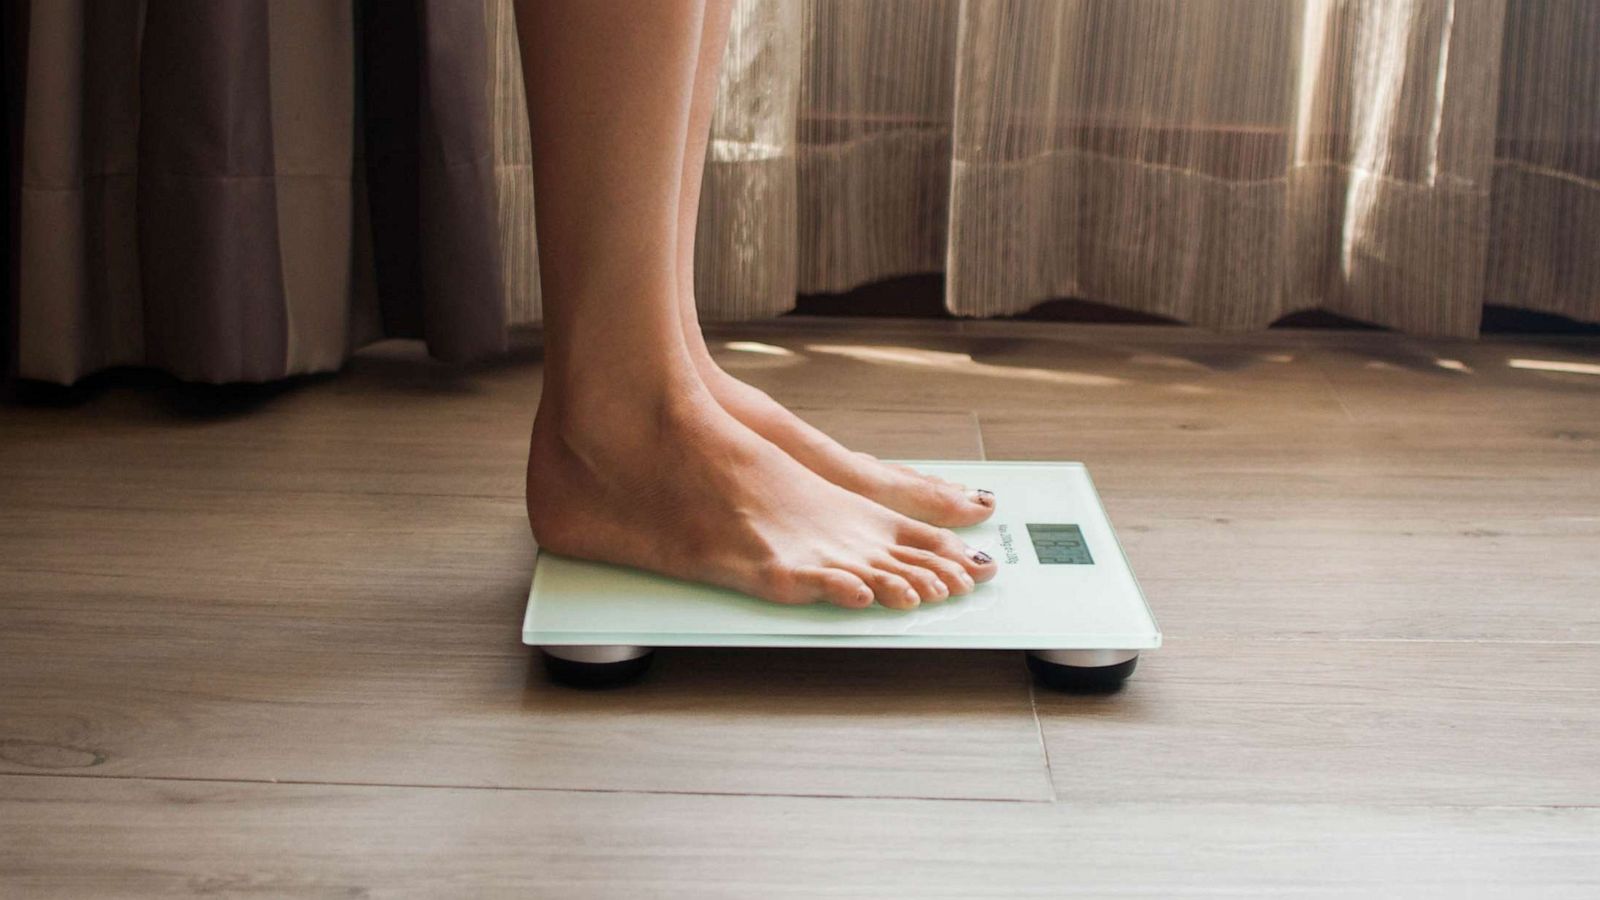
pixel 304 701
pixel 74 837
pixel 1245 525
pixel 1458 385
pixel 361 438
pixel 1111 370
pixel 1122 371
pixel 246 632
pixel 1379 722
pixel 374 637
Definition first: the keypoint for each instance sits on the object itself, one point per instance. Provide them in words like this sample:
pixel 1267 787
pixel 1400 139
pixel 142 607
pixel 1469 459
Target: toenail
pixel 913 596
pixel 980 557
pixel 983 498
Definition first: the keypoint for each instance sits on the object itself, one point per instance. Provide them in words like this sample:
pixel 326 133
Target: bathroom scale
pixel 1064 595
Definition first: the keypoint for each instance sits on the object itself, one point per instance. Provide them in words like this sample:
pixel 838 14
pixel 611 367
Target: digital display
pixel 1059 545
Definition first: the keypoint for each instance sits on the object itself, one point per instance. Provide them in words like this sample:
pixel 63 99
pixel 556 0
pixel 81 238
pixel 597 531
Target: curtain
pixel 240 190
pixel 246 189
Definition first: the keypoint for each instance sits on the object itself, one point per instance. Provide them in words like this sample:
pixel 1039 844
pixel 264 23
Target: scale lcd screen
pixel 1059 545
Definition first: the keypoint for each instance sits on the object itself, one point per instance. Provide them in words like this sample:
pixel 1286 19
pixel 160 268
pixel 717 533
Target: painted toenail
pixel 981 558
pixel 983 498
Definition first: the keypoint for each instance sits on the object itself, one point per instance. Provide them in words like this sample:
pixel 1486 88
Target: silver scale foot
pixel 607 665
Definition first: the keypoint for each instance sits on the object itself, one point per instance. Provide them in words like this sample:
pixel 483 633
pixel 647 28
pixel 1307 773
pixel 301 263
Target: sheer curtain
pixel 1223 162
pixel 249 190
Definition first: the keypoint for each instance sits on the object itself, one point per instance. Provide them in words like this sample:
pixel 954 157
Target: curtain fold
pixel 241 190
pixel 1545 201
pixel 210 250
pixel 247 189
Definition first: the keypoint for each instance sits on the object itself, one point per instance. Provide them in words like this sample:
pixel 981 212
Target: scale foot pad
pixel 573 673
pixel 1081 679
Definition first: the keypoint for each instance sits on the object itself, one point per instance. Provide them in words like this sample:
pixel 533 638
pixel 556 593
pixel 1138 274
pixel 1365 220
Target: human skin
pixel 643 452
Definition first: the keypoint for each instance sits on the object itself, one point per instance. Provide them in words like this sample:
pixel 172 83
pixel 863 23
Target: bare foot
pixel 668 480
pixel 902 489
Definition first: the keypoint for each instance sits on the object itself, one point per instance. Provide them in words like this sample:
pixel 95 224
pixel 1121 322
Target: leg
pixel 897 487
pixel 632 461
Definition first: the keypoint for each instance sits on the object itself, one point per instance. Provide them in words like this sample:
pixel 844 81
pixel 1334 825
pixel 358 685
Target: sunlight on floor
pixel 758 347
pixel 748 356
pixel 1551 365
pixel 960 363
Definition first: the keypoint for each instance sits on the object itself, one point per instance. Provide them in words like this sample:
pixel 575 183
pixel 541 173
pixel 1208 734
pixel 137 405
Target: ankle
pixel 627 407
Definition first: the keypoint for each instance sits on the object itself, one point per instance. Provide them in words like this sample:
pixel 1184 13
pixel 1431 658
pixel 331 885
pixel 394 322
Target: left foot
pixel 902 489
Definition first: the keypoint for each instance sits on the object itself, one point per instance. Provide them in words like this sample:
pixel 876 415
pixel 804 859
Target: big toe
pixel 978 565
pixel 801 585
pixel 932 500
pixel 839 587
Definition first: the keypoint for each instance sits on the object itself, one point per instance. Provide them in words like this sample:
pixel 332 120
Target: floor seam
pixel 1333 390
pixel 519 789
pixel 1021 802
pixel 1044 746
pixel 288 492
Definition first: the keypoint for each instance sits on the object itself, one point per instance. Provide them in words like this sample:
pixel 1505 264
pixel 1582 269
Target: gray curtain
pixel 240 190
pixel 244 189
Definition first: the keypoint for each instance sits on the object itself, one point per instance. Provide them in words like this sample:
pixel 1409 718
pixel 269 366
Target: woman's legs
pixel 897 487
pixel 632 460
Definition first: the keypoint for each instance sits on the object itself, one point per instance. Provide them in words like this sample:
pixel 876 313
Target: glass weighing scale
pixel 1064 594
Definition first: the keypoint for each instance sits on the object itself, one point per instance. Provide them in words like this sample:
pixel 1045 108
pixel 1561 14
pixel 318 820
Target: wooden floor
pixel 268 645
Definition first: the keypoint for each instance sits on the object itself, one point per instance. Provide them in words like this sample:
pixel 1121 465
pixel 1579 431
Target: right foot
pixel 901 488
pixel 674 484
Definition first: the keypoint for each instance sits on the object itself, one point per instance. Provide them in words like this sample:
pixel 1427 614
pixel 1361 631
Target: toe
pixel 780 582
pixel 929 586
pixel 955 578
pixel 893 591
pixel 936 501
pixel 793 585
pixel 981 566
pixel 837 586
